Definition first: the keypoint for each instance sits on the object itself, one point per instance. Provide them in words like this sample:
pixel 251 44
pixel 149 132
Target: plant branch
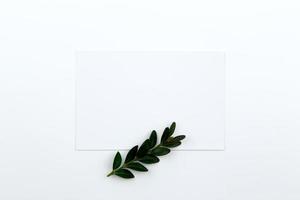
pixel 147 153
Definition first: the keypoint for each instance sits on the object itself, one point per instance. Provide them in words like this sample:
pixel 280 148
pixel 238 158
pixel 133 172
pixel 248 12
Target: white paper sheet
pixel 122 96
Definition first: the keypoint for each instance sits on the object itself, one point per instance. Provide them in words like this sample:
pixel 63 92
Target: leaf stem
pixel 111 173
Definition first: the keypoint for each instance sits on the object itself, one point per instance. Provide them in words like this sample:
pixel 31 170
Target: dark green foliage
pixel 144 149
pixel 117 161
pixel 147 153
pixel 172 144
pixel 131 154
pixel 136 166
pixel 165 135
pixel 124 173
pixel 160 151
pixel 172 128
pixel 149 159
pixel 153 139
pixel 179 137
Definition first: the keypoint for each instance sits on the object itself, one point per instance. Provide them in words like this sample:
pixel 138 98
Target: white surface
pixel 37 44
pixel 122 96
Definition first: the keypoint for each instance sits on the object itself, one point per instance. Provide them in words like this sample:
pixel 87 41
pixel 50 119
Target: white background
pixel 37 44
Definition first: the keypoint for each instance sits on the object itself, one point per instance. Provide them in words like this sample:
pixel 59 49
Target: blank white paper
pixel 122 96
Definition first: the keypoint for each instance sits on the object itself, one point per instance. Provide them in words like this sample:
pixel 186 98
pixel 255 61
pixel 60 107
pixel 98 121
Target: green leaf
pixel 153 139
pixel 136 166
pixel 161 151
pixel 165 135
pixel 131 154
pixel 144 148
pixel 172 144
pixel 179 137
pixel 172 128
pixel 149 159
pixel 169 139
pixel 124 173
pixel 117 161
